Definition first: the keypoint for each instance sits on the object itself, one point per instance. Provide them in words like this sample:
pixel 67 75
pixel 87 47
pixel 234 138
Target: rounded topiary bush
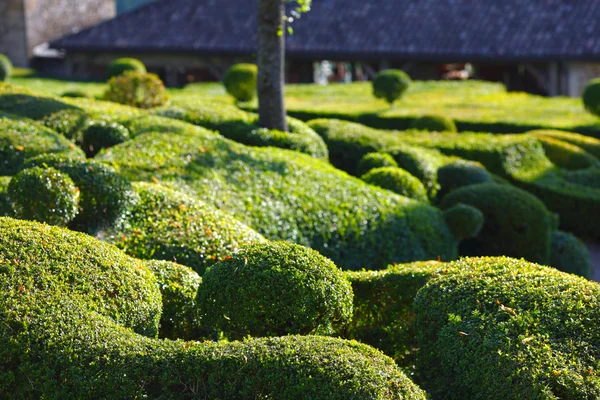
pixel 44 195
pixel 434 123
pixel 569 254
pixel 240 81
pixel 591 97
pixel 5 68
pixel 517 224
pixel 460 173
pixel 6 209
pixel 374 160
pixel 274 289
pixel 390 85
pixel 136 89
pixel 69 122
pixel 464 221
pixel 100 135
pixel 121 65
pixel 75 94
pixel 398 181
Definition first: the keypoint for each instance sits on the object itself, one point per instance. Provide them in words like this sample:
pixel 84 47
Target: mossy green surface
pixel 398 181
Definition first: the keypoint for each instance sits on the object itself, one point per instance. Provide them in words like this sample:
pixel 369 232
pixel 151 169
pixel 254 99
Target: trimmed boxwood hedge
pixel 100 135
pixel 165 224
pixel 21 139
pixel 398 181
pixel 569 254
pixel 5 207
pixel 567 155
pixel 120 65
pixel 500 328
pixel 464 220
pixel 587 143
pixel 374 160
pixel 516 223
pixel 287 195
pixel 460 173
pixel 274 289
pixel 243 127
pixel 240 81
pixel 70 123
pixel 434 123
pixel 72 306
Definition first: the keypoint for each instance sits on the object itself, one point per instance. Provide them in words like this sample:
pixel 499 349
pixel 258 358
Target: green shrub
pixel 374 160
pixel 5 207
pixel 567 155
pixel 122 65
pixel 591 96
pixel 569 254
pixel 398 181
pixel 75 94
pixel 104 194
pixel 460 173
pixel 243 127
pixel 21 139
pixel 240 81
pixel 516 224
pixel 499 328
pixel 383 315
pixel 274 289
pixel 44 195
pixel 73 310
pixel 587 143
pixel 167 225
pixel 464 221
pixel 390 85
pixel 5 68
pixel 69 122
pixel 286 195
pixel 434 123
pixel 100 135
pixel 136 89
pixel 178 286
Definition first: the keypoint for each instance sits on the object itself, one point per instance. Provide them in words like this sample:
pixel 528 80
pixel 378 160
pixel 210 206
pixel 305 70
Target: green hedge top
pixel 21 139
pixel 286 195
pixel 500 328
pixel 120 65
pixel 589 144
pixel 398 181
pixel 434 123
pixel 240 81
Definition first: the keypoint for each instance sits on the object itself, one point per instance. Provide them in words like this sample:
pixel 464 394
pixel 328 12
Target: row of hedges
pixel 75 312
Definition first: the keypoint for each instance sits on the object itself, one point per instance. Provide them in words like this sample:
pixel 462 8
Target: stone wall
pixel 579 74
pixel 13 41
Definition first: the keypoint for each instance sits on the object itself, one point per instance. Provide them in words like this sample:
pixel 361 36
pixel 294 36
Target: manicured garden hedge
pixel 396 180
pixel 72 306
pixel 286 195
pixel 500 328
pixel 5 207
pixel 165 224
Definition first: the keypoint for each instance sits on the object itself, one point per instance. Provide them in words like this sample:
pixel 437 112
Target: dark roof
pixel 395 29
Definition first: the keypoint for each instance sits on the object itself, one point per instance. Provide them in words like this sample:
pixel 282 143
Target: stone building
pixel 26 24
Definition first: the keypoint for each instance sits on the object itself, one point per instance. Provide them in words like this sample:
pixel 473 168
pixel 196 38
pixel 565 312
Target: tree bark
pixel 271 62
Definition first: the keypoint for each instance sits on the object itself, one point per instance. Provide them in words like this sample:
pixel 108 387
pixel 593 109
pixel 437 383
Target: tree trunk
pixel 271 61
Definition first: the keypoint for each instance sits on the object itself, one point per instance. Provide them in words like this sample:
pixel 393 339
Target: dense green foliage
pixel 21 139
pixel 499 328
pixel 74 93
pixel 286 195
pixel 383 315
pixel 178 286
pixel 68 122
pixel 136 89
pixel 464 221
pixel 569 254
pixel 5 206
pixel 73 310
pixel 566 155
pixel 120 65
pixel 398 181
pixel 390 85
pixel 5 68
pixel 589 144
pixel 104 194
pixel 434 123
pixel 164 224
pixel 374 160
pixel 274 289
pixel 100 135
pixel 44 195
pixel 516 223
pixel 591 97
pixel 460 173
pixel 240 81
pixel 243 127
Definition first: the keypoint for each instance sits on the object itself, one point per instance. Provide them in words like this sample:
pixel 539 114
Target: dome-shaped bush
pixel 121 65
pixel 390 85
pixel 240 81
pixel 398 181
pixel 5 68
pixel 136 89
pixel 460 173
pixel 517 224
pixel 102 134
pixel 374 160
pixel 569 254
pixel 591 97
pixel 464 221
pixel 44 195
pixel 69 122
pixel 274 289
pixel 434 123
